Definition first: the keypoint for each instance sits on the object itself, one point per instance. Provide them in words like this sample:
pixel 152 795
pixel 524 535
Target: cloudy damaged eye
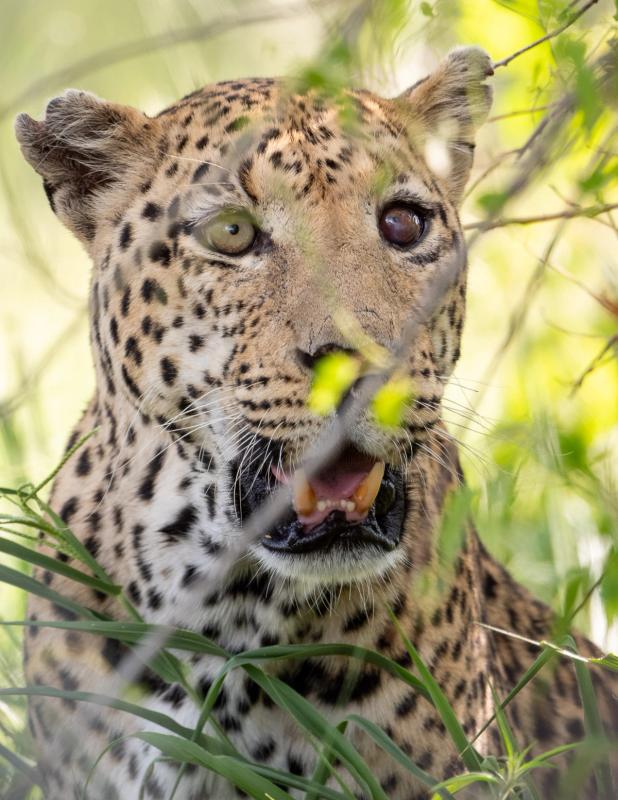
pixel 231 232
pixel 402 225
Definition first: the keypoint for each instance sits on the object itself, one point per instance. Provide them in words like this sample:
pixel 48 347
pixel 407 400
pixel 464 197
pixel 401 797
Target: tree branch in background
pixel 569 213
pixel 551 35
pixel 519 113
pixel 611 343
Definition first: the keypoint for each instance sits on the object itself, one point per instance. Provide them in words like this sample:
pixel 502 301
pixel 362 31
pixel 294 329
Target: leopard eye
pixel 402 225
pixel 231 233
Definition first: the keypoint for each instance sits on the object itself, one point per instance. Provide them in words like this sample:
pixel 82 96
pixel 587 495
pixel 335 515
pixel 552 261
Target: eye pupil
pixel 232 228
pixel 401 225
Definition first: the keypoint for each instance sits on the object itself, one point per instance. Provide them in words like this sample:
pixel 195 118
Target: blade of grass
pixel 587 752
pixel 469 756
pixel 321 650
pixel 388 745
pixel 69 454
pixel 106 701
pixel 463 781
pixel 324 767
pixel 312 721
pixel 540 661
pixel 31 556
pixel 132 633
pixel 21 581
pixel 20 765
pixel 594 728
pixel 236 772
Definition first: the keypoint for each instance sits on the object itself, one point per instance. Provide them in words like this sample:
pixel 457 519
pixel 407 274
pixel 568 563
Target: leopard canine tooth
pixel 367 491
pixel 304 496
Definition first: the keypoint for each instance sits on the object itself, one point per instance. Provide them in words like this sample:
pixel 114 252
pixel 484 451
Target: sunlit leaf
pixel 332 377
pixel 391 401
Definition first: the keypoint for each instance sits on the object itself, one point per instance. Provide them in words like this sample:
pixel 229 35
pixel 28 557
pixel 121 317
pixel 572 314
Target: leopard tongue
pixel 349 485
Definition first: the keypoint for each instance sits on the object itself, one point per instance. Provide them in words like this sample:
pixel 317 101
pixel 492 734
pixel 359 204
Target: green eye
pixel 231 232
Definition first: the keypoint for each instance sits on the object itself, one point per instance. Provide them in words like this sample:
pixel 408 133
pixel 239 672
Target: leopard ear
pixel 445 110
pixel 83 149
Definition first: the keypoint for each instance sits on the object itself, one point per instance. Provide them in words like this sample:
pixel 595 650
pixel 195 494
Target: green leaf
pixel 427 9
pixel 506 734
pixel 332 377
pixel 537 665
pixel 20 765
pixel 391 401
pixel 322 650
pixel 610 660
pixel 542 759
pixel 492 202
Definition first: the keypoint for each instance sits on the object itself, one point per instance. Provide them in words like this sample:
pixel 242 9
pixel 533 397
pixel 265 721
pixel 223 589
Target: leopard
pixel 240 238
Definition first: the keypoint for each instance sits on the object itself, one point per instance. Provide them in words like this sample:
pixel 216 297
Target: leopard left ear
pixel 445 110
pixel 85 149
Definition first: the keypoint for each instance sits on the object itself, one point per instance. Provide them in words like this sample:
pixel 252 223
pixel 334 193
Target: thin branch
pixel 497 162
pixel 520 113
pixel 596 362
pixel 551 35
pixel 611 306
pixel 588 211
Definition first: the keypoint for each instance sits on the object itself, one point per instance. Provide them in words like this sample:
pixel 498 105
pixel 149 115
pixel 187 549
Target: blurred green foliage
pixel 534 400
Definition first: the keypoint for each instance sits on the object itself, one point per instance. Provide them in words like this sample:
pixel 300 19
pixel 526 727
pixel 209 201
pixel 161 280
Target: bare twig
pixel 596 361
pixel 551 35
pixel 610 305
pixel 519 113
pixel 569 213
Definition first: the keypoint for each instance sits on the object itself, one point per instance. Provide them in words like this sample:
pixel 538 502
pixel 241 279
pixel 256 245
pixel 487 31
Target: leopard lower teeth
pixel 306 503
pixel 344 505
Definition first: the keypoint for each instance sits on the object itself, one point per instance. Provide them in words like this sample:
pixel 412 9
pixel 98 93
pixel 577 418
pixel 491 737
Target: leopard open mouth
pixel 353 502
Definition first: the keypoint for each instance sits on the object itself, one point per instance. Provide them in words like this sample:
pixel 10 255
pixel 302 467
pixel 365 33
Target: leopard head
pixel 243 234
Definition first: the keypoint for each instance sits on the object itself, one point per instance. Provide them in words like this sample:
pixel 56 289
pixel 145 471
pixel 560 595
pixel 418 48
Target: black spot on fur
pixel 84 464
pixel 169 371
pixel 151 211
pixel 160 253
pixel 147 487
pixel 180 526
pixel 200 172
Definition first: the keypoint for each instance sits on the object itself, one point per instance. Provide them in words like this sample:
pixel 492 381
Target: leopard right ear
pixel 448 107
pixel 84 149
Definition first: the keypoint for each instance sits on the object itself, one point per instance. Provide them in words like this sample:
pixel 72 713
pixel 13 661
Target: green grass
pixel 495 776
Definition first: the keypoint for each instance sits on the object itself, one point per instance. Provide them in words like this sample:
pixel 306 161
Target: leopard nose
pixel 308 360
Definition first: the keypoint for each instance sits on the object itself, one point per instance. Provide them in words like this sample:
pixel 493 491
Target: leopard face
pixel 240 236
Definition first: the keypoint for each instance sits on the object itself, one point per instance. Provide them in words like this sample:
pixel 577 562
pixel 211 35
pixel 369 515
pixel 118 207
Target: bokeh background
pixel 535 399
